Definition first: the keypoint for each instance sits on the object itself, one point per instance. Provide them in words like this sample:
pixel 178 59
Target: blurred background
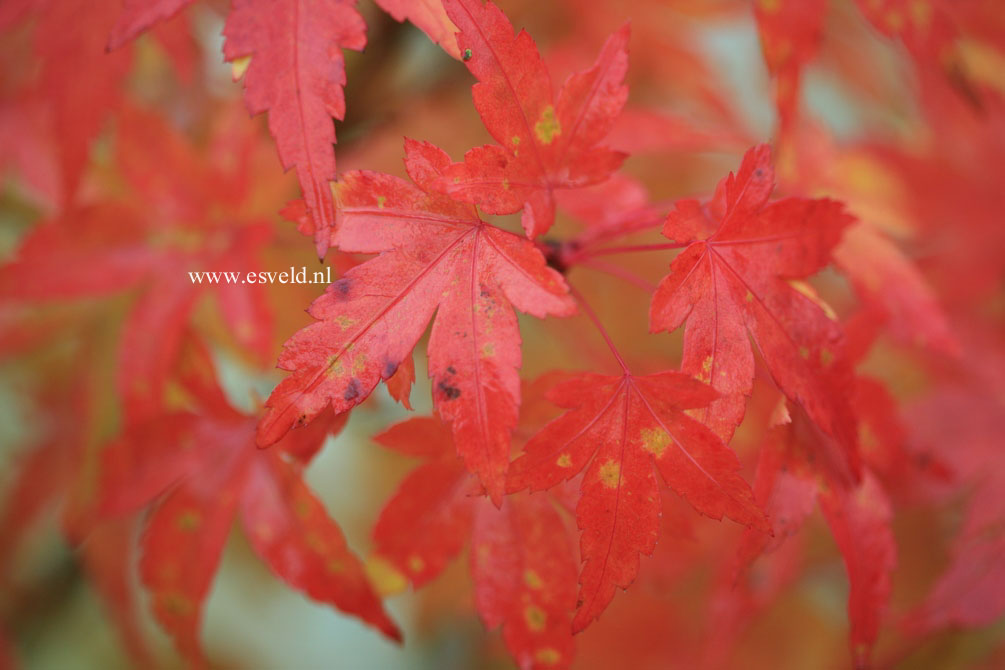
pixel 122 171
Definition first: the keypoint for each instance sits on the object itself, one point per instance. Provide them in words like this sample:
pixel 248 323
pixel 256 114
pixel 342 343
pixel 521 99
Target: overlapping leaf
pixel 203 470
pixel 544 143
pixel 435 255
pixel 733 278
pixel 620 430
pixel 521 559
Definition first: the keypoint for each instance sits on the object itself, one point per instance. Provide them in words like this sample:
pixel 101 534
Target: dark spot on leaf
pixel 352 391
pixel 451 370
pixel 340 289
pixel 390 367
pixel 450 392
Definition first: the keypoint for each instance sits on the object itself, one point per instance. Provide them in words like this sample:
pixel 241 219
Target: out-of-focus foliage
pixel 768 403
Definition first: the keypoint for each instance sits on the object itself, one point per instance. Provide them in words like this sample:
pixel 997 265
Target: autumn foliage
pixel 700 301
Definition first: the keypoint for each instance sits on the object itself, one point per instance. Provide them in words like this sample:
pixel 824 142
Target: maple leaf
pixel 78 85
pixel 296 74
pixel 204 471
pixel 734 277
pixel 54 474
pixel 620 430
pixel 544 144
pixel 184 214
pixel 435 255
pixel 790 32
pixel 140 15
pixel 795 470
pixel 962 424
pixel 521 559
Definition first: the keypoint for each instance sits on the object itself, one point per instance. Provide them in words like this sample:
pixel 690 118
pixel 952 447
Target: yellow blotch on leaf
pixel 769 6
pixel 564 460
pixel 415 563
pixel 386 579
pixel 532 579
pixel 239 66
pixel 610 473
pixel 189 520
pixel 921 14
pixel 535 617
pixel 655 441
pixel 547 128
pixel 547 656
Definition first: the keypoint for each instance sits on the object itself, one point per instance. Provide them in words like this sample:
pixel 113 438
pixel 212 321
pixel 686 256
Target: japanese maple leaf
pixel 54 474
pixel 187 213
pixel 796 470
pixel 621 430
pixel 544 144
pixel 962 423
pixel 733 278
pixel 204 471
pixel 790 33
pixel 435 255
pixel 521 557
pixel 78 85
pixel 139 15
pixel 296 74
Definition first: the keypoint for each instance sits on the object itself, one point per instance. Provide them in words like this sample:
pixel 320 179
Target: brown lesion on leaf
pixel 353 390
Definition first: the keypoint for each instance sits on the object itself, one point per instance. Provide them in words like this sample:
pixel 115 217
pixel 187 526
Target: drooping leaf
pixel 296 74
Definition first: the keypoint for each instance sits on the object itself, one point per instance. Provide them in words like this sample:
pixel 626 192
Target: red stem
pixel 621 273
pixel 633 248
pixel 600 327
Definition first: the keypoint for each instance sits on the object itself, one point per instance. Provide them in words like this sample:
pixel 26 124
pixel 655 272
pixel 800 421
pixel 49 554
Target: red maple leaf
pixel 544 144
pixel 297 73
pixel 204 470
pixel 435 255
pixel 140 15
pixel 186 213
pixel 620 430
pixel 797 468
pixel 790 32
pixel 521 558
pixel 733 278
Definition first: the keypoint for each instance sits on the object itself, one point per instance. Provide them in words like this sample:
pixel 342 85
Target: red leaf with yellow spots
pixel 435 255
pixel 545 143
pixel 204 471
pixel 521 557
pixel 619 432
pixel 736 278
